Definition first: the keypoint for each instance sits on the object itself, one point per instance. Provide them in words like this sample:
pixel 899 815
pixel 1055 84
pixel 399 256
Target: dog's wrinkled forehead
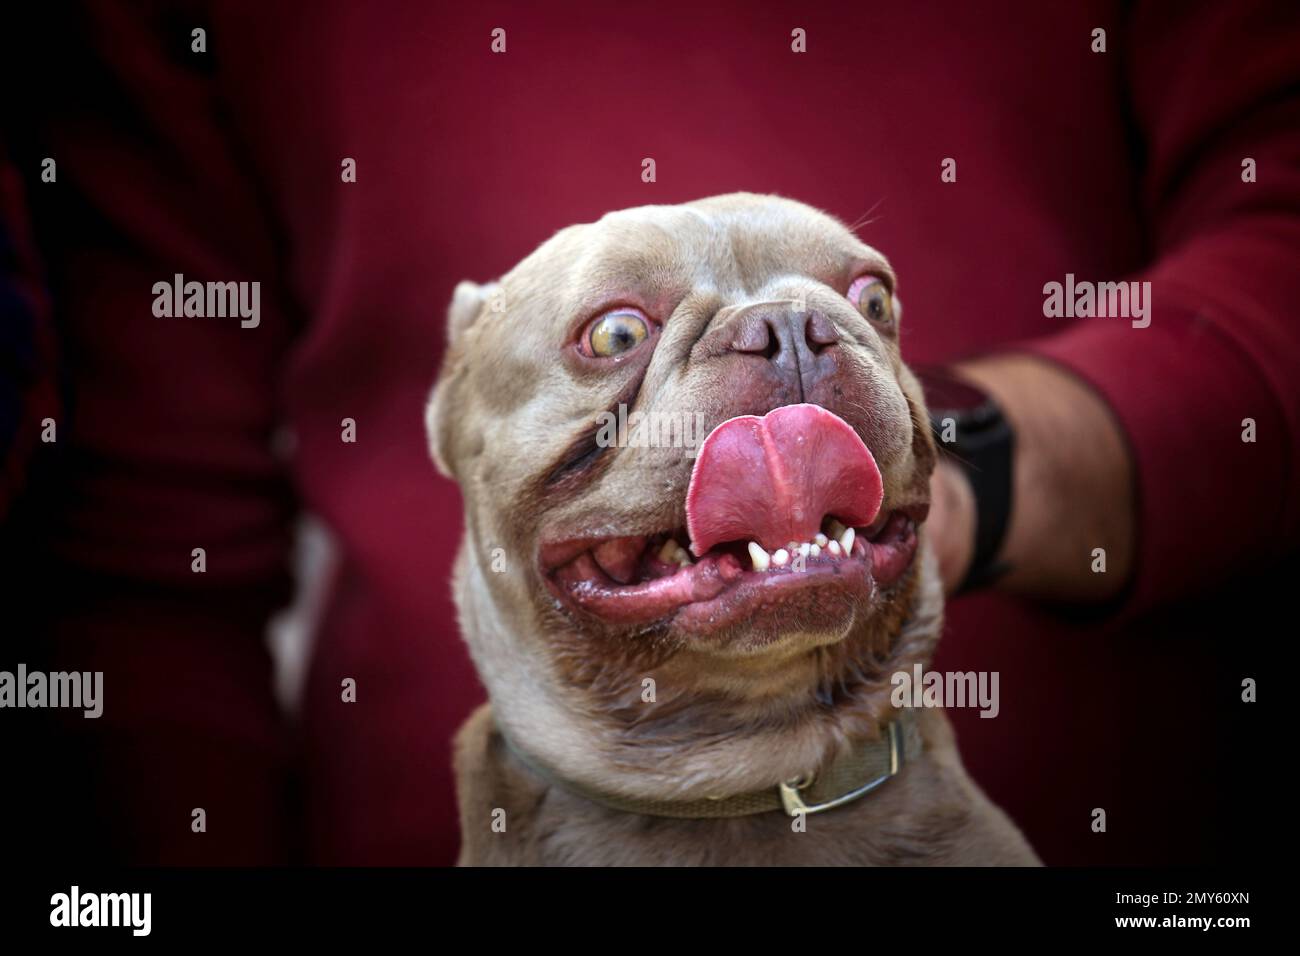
pixel 732 244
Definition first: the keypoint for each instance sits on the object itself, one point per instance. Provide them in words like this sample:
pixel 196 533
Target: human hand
pixel 951 523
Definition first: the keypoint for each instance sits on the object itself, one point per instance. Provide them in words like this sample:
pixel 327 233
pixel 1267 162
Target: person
pixel 357 163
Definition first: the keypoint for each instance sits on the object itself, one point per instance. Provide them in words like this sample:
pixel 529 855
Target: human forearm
pixel 1072 487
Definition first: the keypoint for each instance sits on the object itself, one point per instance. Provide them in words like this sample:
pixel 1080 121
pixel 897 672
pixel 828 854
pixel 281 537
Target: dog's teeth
pixel 814 550
pixel 792 546
pixel 683 557
pixel 834 548
pixel 820 540
pixel 762 560
pixel 835 529
pixel 805 549
pixel 780 557
pixel 668 553
pixel 846 540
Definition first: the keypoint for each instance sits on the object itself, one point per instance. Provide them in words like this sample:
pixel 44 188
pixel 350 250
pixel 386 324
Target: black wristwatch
pixel 972 432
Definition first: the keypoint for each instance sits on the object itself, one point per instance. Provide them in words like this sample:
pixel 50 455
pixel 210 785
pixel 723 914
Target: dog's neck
pixel 691 746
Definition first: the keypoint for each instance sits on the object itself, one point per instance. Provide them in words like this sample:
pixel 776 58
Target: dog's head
pixel 694 469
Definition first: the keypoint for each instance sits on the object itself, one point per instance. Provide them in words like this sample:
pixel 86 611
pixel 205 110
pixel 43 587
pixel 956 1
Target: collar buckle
pixel 793 803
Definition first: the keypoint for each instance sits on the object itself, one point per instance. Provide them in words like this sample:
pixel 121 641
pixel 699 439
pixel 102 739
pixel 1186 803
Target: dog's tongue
pixel 772 479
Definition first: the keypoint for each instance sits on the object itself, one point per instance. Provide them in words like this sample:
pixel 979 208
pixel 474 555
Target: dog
pixel 688 645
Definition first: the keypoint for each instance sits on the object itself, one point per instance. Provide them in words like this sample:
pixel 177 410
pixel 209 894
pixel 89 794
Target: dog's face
pixel 769 559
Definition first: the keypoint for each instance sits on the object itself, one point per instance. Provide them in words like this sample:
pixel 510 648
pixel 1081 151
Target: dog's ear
pixel 467 303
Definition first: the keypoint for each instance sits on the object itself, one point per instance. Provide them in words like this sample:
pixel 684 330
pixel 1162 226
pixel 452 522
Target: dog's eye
pixel 873 299
pixel 616 332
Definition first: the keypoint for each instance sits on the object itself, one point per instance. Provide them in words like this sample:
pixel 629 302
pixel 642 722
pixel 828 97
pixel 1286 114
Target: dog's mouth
pixel 782 512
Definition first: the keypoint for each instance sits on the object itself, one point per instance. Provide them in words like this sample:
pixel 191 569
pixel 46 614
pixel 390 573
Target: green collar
pixel 864 767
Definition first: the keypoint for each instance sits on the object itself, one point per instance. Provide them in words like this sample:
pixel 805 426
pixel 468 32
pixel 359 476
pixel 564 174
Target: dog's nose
pixel 794 342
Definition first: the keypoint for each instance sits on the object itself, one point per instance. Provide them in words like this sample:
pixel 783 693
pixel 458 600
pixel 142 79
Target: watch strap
pixel 983 447
pixel 991 481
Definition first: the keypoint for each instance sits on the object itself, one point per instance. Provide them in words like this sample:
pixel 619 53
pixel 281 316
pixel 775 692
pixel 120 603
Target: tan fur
pixel 508 420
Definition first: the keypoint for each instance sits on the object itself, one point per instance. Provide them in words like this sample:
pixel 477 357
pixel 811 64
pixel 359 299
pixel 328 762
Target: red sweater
pixel 1123 164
